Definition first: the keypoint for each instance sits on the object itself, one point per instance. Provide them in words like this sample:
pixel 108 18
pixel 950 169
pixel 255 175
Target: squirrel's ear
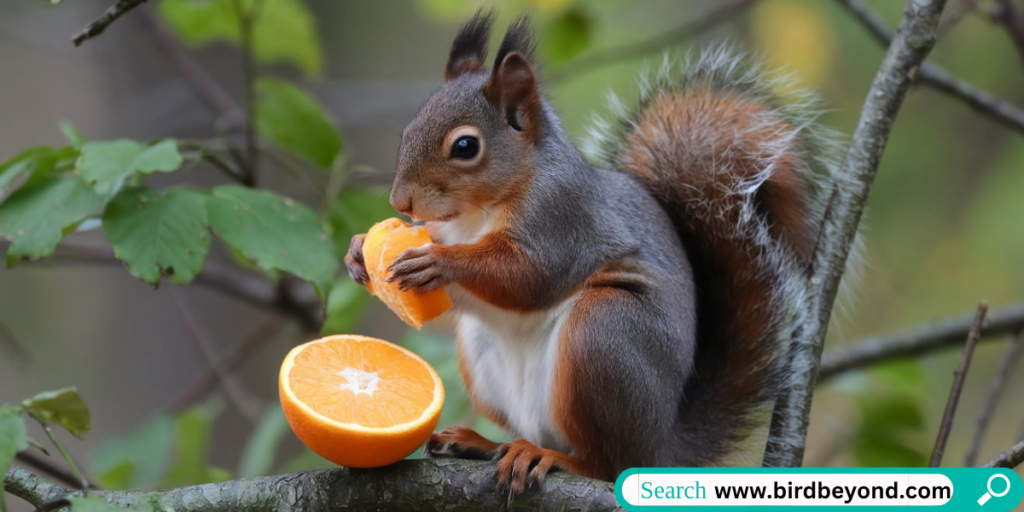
pixel 513 87
pixel 470 46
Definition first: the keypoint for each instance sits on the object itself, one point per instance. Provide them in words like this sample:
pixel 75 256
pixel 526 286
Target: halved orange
pixel 358 401
pixel 385 241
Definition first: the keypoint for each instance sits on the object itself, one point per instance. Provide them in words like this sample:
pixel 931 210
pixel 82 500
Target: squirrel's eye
pixel 465 148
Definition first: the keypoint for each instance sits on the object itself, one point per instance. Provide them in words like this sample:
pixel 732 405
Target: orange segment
pixel 385 241
pixel 360 401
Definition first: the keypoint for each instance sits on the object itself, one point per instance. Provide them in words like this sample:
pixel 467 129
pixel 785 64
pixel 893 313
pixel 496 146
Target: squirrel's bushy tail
pixel 735 159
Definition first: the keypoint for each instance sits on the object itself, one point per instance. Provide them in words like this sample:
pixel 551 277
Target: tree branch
pixel 233 357
pixel 411 485
pixel 722 11
pixel 236 394
pixel 1009 459
pixel 959 376
pixel 1013 353
pixel 202 84
pixel 100 24
pixel 938 78
pixel 918 340
pixel 914 39
pixel 242 285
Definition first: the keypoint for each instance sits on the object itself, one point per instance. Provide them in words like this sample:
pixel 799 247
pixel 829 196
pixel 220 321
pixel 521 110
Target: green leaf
pixel 566 36
pixel 36 217
pixel 75 137
pixel 105 165
pixel 159 232
pixel 137 460
pixel 259 453
pixel 274 232
pixel 12 441
pixel 355 211
pixel 19 164
pixel 63 407
pixel 284 31
pixel 345 306
pixel 295 121
pixel 193 428
pixel 891 429
pixel 96 504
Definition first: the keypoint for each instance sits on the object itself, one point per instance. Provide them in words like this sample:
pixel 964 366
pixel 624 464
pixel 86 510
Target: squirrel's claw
pixel 522 464
pixel 461 442
pixel 418 269
pixel 354 260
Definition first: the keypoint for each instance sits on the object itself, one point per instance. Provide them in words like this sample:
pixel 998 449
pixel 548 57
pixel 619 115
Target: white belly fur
pixel 510 356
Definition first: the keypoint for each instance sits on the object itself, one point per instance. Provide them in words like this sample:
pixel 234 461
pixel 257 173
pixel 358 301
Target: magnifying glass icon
pixel 988 495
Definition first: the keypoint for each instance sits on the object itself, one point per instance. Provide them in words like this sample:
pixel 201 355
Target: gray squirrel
pixel 627 315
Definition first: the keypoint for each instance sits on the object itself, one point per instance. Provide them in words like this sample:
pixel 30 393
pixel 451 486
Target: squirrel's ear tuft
pixel 469 50
pixel 513 84
pixel 513 87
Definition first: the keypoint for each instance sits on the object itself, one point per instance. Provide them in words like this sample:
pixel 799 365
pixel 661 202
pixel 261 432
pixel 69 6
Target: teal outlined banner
pixel 810 489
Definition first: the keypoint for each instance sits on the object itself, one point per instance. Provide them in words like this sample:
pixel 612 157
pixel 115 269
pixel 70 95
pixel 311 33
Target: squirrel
pixel 627 314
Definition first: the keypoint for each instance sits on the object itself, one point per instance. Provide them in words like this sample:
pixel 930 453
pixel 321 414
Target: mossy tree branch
pixel 413 485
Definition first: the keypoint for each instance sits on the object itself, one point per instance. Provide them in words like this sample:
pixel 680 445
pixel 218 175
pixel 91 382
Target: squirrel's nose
pixel 402 204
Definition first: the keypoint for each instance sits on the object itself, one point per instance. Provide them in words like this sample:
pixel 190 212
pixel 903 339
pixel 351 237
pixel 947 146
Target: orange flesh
pixel 385 241
pixel 362 383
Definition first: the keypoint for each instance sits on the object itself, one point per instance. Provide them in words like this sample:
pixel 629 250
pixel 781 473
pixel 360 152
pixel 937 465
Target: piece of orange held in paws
pixel 360 402
pixel 385 241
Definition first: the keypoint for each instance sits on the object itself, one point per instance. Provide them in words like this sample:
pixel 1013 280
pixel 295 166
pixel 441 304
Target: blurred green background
pixel 943 227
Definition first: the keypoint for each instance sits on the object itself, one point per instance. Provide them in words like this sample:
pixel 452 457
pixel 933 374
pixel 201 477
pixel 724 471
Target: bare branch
pixel 1013 353
pixel 205 87
pixel 234 356
pixel 918 340
pixel 1011 18
pixel 236 394
pixel 1009 459
pixel 245 286
pixel 958 386
pixel 410 485
pixel 100 24
pixel 940 79
pixel 914 39
pixel 246 19
pixel 48 468
pixel 721 12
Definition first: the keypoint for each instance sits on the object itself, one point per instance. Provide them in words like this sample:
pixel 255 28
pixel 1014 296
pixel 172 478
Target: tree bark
pixel 412 485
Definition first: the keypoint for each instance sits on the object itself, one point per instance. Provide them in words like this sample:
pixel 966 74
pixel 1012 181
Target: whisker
pixel 471 203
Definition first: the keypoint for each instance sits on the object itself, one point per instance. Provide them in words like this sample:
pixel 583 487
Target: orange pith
pixel 385 241
pixel 360 401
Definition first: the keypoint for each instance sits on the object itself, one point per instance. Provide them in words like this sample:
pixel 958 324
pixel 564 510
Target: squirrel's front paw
pixel 420 269
pixel 354 260
pixel 461 442
pixel 523 463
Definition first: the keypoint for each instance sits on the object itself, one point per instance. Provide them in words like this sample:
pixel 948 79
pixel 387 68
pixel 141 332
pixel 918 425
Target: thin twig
pixel 201 83
pixel 100 24
pixel 923 339
pixel 233 390
pixel 233 357
pixel 246 19
pixel 1013 353
pixel 914 40
pixel 245 286
pixel 1008 459
pixel 1011 18
pixel 938 78
pixel 12 343
pixel 80 477
pixel 959 376
pixel 48 468
pixel 722 11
